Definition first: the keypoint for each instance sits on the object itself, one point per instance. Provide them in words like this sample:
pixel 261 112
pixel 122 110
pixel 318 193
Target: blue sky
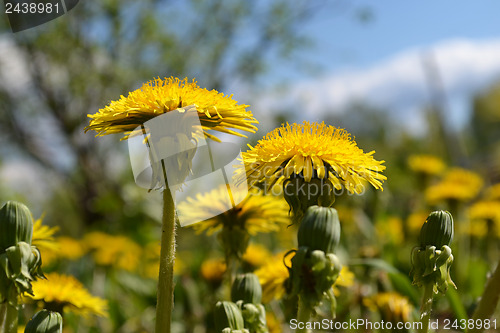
pixel 397 25
pixel 380 61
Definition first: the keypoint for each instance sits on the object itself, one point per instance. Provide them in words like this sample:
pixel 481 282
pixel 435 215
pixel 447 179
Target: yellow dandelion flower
pixel 482 214
pixel 256 255
pixel 116 251
pixel 256 213
pixel 272 277
pixel 73 249
pixel 273 324
pixel 345 280
pixel 313 151
pixel 64 248
pixel 426 164
pixel 392 306
pixel 65 293
pixel 43 236
pixel 458 184
pixel 156 97
pixel 212 270
pixel 493 192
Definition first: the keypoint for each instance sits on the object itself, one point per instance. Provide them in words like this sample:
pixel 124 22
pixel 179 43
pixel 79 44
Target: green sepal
pixel 16 225
pixel 45 321
pixel 319 229
pixel 228 315
pixel 246 288
pixel 19 266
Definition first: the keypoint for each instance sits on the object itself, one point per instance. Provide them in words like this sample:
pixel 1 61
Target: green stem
pixel 165 302
pixel 303 316
pixel 489 299
pixel 8 318
pixel 426 308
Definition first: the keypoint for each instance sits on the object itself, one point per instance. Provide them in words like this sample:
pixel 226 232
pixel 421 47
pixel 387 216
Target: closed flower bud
pixel 16 225
pixel 246 288
pixel 45 322
pixel 437 230
pixel 320 229
pixel 228 315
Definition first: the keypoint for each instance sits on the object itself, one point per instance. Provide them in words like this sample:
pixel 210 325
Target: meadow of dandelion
pixel 349 224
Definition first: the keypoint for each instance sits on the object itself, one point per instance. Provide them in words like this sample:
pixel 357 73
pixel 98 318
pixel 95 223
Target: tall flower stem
pixel 303 316
pixel 489 299
pixel 426 308
pixel 8 318
pixel 165 302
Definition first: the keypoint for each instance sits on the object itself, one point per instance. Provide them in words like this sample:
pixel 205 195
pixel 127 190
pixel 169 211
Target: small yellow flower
pixel 313 151
pixel 345 280
pixel 156 97
pixel 256 213
pixel 116 251
pixel 392 306
pixel 256 255
pixel 483 213
pixel 273 324
pixel 426 164
pixel 458 184
pixel 212 270
pixel 43 236
pixel 65 293
pixel 272 277
pixel 66 248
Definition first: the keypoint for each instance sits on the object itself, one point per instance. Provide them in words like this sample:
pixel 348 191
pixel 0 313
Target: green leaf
pixel 402 284
pixel 456 304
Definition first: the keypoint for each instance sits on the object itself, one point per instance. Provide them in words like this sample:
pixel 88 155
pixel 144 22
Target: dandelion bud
pixel 16 225
pixel 320 229
pixel 45 322
pixel 437 230
pixel 246 288
pixel 228 315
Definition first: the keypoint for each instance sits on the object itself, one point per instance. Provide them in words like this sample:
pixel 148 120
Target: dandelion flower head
pixel 314 151
pixel 256 213
pixel 458 184
pixel 43 236
pixel 216 111
pixel 115 251
pixel 392 306
pixel 426 164
pixel 65 293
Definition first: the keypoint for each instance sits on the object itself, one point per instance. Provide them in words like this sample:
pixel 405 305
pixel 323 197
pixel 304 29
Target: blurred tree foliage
pixel 484 133
pixel 101 49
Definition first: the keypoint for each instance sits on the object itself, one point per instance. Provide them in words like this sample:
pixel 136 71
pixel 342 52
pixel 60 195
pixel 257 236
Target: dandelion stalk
pixel 165 301
pixel 303 316
pixel 426 308
pixel 489 300
pixel 8 318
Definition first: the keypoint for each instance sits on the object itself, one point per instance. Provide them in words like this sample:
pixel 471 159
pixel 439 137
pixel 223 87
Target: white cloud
pixel 399 84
